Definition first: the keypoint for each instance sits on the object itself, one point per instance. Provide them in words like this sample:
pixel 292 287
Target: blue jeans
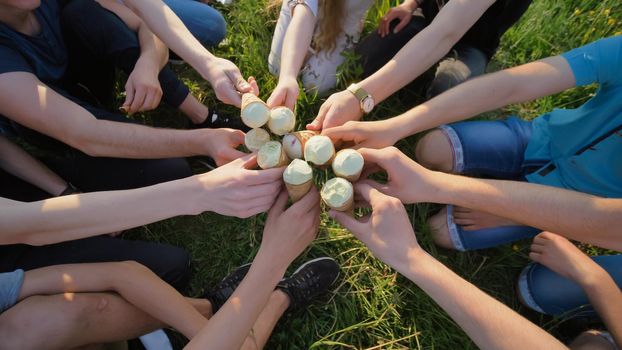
pixel 206 24
pixel 547 292
pixel 492 149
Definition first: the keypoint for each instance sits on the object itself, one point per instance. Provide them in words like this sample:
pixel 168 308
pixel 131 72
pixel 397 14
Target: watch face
pixel 368 104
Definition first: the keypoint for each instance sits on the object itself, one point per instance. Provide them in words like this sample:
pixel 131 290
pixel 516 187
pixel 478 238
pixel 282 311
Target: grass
pixel 372 307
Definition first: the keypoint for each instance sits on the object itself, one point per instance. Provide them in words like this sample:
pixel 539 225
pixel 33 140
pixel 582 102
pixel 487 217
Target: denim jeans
pixel 547 292
pixel 204 22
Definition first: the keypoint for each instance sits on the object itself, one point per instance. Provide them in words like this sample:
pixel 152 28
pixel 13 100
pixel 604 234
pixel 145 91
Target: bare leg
pixel 194 110
pixel 65 321
pixel 434 151
pixel 263 327
pixel 591 340
pixel 440 231
pixel 472 220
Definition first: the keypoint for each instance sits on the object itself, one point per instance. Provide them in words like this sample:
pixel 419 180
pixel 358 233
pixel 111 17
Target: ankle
pixel 194 110
pixel 280 299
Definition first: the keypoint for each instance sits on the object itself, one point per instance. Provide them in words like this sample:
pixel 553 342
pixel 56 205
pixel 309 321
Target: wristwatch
pixel 365 99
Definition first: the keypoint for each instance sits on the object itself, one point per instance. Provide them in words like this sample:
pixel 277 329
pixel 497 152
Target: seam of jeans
pixel 456 147
pixel 454 235
pixel 525 291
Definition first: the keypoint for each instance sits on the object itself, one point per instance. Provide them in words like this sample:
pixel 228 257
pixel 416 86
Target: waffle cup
pixel 248 99
pixel 283 160
pixel 302 137
pixel 296 192
pixel 352 177
pixel 347 207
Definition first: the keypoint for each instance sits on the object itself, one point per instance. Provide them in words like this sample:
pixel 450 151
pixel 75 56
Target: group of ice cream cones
pixel 297 150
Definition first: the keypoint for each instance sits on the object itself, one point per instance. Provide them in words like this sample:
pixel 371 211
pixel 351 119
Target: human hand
pixel 338 109
pixel 221 144
pixel 142 89
pixel 285 94
pixel 407 180
pixel 387 231
pixel 402 12
pixel 227 81
pixel 236 190
pixel 374 134
pixel 282 240
pixel 560 255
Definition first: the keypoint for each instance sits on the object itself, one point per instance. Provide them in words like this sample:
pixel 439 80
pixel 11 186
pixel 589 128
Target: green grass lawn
pixel 373 307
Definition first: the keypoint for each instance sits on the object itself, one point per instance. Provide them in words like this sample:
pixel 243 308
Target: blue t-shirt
pixel 44 54
pixel 584 145
pixel 10 286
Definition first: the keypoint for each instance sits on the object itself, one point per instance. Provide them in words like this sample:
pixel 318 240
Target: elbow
pixel 85 145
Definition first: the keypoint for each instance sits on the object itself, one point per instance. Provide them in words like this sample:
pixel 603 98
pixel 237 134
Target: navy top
pixel 44 54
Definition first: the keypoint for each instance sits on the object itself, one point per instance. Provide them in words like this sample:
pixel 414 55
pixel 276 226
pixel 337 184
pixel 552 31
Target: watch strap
pixel 358 91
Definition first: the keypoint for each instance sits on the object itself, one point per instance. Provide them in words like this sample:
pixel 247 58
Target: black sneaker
pixel 313 278
pixel 219 295
pixel 217 120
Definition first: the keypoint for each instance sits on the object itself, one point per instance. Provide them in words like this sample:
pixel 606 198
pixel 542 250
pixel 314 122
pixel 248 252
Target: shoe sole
pixel 313 261
pixel 237 268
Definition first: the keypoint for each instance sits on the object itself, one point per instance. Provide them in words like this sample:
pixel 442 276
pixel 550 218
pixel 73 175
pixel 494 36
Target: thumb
pixel 401 25
pixel 238 80
pixel 316 124
pixel 357 228
pixel 129 94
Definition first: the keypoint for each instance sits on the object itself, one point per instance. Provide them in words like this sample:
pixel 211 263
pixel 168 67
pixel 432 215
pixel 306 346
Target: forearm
pixel 606 298
pixel 426 48
pixel 296 42
pixel 170 29
pixel 83 215
pixel 489 323
pixel 579 216
pixel 487 93
pixel 19 163
pixel 228 328
pixel 134 282
pixel 152 49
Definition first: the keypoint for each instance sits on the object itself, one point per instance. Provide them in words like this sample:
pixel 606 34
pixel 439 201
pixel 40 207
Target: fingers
pixel 374 156
pixel 291 99
pixel 238 80
pixel 537 257
pixel 254 85
pixel 316 124
pixel 351 224
pixel 257 177
pixel 403 22
pixel 267 190
pixel 370 194
pixel 139 100
pixel 340 133
pixel 276 98
pixel 129 97
pixel 308 202
pixel 229 154
pixel 279 205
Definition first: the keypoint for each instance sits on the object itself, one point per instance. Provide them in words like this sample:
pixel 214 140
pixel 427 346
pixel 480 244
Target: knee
pixel 176 263
pixel 440 231
pixel 449 74
pixel 434 151
pixel 211 28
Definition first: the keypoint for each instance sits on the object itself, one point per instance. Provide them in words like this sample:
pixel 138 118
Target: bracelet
pixel 71 189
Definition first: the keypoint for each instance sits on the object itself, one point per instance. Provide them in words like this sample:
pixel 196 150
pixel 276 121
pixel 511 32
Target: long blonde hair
pixel 330 16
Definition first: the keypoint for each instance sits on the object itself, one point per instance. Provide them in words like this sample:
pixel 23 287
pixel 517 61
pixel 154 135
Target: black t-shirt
pixel 44 54
pixel 487 31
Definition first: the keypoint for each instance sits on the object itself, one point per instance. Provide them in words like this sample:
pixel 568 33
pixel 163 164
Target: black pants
pixel 169 262
pixel 98 43
pixel 461 64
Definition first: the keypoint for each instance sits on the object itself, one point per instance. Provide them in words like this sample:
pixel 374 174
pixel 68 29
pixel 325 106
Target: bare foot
pixel 560 255
pixel 472 220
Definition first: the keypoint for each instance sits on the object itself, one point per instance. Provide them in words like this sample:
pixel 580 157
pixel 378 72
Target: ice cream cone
pixel 294 143
pixel 282 121
pixel 348 164
pixel 255 138
pixel 267 159
pixel 298 191
pixel 338 194
pixel 255 112
pixel 319 150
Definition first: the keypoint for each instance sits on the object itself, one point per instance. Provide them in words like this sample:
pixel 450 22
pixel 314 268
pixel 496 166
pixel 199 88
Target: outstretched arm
pixel 232 190
pixel 579 216
pixel 280 245
pixel 387 232
pixel 295 47
pixel 222 74
pixel 134 282
pixel 471 98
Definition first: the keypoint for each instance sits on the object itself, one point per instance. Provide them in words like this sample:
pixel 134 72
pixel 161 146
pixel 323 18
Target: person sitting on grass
pixel 74 228
pixel 462 34
pixel 310 39
pixel 40 77
pixel 388 234
pixel 69 306
pixel 567 160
